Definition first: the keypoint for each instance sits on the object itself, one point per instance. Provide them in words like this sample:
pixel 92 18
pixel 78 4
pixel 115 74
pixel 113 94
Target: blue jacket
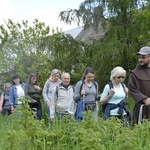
pixel 122 108
pixel 79 111
pixel 13 94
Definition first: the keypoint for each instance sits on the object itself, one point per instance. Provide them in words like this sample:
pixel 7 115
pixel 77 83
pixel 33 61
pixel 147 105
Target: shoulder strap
pixel 81 86
pixel 95 84
pixel 96 87
pixel 110 85
pixel 123 86
pixel 57 90
pixel 48 84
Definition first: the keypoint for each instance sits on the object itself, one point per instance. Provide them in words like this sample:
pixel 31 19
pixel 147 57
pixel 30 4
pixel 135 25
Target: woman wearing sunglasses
pixel 113 97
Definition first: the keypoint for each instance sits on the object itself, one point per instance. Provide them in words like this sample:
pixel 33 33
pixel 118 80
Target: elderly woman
pixel 49 87
pixel 114 94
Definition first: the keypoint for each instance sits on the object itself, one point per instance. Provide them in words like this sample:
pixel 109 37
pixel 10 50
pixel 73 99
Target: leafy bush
pixel 21 131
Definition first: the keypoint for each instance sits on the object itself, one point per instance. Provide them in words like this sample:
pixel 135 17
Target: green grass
pixel 21 131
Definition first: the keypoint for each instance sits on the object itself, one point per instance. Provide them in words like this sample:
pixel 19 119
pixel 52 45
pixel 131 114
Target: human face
pixel 119 78
pixel 144 59
pixel 17 81
pixel 56 77
pixel 66 79
pixel 89 77
pixel 33 80
pixel 7 89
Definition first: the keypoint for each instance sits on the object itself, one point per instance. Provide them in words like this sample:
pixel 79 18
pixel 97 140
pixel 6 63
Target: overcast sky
pixel 44 10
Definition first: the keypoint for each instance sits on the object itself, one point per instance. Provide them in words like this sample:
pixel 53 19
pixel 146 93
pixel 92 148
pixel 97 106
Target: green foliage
pixel 125 33
pixel 25 49
pixel 21 130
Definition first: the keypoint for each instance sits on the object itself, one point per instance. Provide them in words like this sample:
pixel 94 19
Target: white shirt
pixel 20 92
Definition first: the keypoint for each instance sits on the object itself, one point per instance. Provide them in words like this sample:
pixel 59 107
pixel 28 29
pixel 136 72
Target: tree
pixel 119 44
pixel 26 49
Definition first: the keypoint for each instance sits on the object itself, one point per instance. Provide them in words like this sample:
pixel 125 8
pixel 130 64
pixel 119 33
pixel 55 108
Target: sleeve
pixel 26 90
pixel 2 99
pixel 77 93
pixel 97 91
pixel 105 92
pixel 134 87
pixel 12 97
pixel 45 91
pixel 53 103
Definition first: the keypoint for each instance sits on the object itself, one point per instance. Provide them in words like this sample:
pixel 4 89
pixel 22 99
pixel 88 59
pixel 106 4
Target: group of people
pixel 58 93
pixel 31 90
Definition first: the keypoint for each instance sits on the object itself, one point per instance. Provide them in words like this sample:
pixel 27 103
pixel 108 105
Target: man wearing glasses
pixel 139 86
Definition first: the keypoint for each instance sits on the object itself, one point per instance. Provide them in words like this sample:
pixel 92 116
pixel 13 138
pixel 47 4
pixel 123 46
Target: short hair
pixel 6 85
pixel 16 77
pixel 55 71
pixel 116 72
pixel 87 70
pixel 63 74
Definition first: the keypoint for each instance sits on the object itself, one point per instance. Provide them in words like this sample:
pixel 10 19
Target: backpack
pixel 111 86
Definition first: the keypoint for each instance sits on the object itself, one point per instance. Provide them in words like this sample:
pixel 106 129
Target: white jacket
pixel 61 98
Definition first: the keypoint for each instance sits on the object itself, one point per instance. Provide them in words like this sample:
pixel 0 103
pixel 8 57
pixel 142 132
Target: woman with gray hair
pixel 49 87
pixel 113 97
pixel 5 107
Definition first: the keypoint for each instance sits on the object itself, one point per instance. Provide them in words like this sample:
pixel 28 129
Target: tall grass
pixel 22 131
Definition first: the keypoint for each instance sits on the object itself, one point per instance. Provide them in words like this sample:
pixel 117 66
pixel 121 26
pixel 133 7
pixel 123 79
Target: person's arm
pixel 38 88
pixel 1 102
pixel 97 92
pixel 12 98
pixel 53 103
pixel 107 94
pixel 26 90
pixel 134 91
pixel 77 92
pixel 45 92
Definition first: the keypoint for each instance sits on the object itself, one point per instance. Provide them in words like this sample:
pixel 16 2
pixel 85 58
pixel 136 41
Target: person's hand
pixel 1 109
pixel 147 101
pixel 12 108
pixel 37 87
pixel 111 92
pixel 34 101
pixel 52 120
pixel 126 90
pixel 83 92
pixel 48 105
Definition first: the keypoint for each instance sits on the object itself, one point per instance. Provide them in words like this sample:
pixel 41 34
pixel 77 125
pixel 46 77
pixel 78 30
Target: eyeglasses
pixel 121 77
pixel 143 56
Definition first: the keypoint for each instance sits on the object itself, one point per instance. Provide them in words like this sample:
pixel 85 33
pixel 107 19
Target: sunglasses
pixel 121 77
pixel 143 56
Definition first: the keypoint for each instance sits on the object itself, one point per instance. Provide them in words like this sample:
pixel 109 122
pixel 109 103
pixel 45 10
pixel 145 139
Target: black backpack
pixel 111 86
